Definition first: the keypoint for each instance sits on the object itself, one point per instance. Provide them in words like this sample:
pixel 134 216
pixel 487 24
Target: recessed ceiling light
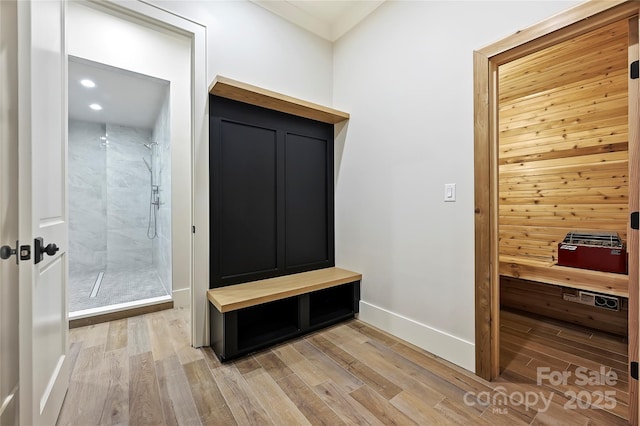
pixel 95 107
pixel 87 83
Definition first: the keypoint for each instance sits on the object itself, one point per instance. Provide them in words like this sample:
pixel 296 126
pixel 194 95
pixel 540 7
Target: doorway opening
pixel 131 134
pixel 531 194
pixel 119 189
pixel 563 169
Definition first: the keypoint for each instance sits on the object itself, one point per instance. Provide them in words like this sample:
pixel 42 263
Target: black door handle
pixel 40 249
pixel 21 252
pixel 8 251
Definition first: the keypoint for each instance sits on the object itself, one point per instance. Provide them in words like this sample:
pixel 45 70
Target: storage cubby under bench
pixel 250 316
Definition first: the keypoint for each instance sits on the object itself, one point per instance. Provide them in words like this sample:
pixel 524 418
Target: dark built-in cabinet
pixel 271 193
pixel 272 215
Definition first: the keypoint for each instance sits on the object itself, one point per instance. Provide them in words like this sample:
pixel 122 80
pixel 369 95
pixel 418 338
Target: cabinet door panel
pixel 306 194
pixel 248 186
pixel 271 193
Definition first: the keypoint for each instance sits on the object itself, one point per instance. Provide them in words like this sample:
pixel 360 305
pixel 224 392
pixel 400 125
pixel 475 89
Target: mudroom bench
pixel 253 315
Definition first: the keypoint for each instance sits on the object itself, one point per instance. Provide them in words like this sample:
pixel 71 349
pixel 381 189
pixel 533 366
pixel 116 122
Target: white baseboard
pixel 451 348
pixel 182 298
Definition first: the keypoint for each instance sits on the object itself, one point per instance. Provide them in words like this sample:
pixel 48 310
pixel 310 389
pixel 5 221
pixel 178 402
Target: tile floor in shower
pixel 116 287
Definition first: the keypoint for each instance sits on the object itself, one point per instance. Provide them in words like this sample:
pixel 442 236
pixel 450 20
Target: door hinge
pixel 634 70
pixel 633 366
pixel 193 228
pixel 635 220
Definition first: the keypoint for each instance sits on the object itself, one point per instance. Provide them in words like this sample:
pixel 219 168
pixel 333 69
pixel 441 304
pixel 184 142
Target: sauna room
pixel 563 177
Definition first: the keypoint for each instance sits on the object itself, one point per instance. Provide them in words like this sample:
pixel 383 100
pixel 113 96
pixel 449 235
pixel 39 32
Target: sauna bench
pixel 250 316
pixel 550 273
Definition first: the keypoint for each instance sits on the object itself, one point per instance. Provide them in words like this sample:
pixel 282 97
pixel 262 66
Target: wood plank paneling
pixel 563 146
pixel 574 22
pixel 546 300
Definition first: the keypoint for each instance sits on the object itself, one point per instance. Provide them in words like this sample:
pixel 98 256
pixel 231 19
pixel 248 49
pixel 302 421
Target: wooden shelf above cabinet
pixel 243 92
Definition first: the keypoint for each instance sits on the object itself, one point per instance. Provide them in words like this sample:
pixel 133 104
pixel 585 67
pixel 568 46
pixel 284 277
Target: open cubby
pixel 270 322
pixel 251 316
pixel 327 305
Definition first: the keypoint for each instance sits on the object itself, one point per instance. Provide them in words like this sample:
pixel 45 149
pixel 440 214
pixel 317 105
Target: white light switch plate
pixel 449 192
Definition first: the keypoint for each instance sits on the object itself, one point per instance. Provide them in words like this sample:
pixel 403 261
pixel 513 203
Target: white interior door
pixel 42 71
pixel 8 213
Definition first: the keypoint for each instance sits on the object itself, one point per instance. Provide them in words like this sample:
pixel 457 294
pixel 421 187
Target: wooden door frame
pixel 575 21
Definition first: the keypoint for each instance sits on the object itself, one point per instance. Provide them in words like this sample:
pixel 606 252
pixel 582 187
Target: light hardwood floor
pixel 595 363
pixel 142 371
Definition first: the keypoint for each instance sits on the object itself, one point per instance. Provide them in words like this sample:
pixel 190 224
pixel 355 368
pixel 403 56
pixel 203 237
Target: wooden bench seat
pixel 253 293
pixel 251 316
pixel 550 273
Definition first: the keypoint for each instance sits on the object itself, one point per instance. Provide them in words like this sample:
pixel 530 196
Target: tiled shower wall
pixel 87 198
pixel 109 191
pixel 162 242
pixel 128 195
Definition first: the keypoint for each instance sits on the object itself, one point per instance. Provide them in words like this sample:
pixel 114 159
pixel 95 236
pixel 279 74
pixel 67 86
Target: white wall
pixel 247 43
pixel 406 77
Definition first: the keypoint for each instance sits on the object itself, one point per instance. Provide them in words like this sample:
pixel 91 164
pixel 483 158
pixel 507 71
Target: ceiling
pixel 127 98
pixel 327 18
pixel 132 99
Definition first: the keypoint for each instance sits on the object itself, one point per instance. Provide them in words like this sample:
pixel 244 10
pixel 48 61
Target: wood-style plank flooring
pixel 581 366
pixel 142 371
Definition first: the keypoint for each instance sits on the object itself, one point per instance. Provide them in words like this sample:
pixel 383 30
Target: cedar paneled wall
pixel 563 144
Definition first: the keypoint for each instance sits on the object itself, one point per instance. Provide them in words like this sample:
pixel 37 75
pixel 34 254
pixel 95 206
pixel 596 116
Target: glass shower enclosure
pixel 119 190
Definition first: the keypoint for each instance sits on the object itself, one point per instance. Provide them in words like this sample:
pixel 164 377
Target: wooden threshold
pixel 125 313
pixel 233 297
pixel 253 95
